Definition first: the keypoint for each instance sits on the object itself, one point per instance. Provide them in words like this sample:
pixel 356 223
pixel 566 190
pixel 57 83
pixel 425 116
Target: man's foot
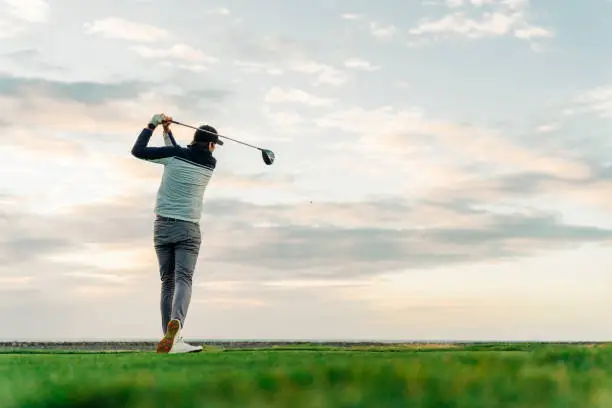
pixel 181 347
pixel 172 331
pixel 173 342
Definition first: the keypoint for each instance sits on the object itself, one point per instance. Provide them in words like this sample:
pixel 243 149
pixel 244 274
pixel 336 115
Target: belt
pixel 162 218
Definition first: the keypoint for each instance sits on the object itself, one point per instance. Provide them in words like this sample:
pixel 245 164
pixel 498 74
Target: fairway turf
pixel 460 377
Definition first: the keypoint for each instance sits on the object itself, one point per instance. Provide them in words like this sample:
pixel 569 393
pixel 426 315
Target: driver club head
pixel 268 156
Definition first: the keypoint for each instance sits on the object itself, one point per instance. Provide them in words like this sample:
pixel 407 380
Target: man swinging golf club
pixel 178 208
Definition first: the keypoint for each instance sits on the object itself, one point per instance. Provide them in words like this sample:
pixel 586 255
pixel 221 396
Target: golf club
pixel 267 155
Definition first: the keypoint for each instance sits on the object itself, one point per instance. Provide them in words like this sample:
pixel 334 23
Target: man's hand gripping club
pixel 160 119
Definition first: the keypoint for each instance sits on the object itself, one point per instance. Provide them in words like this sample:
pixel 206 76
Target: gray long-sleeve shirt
pixel 187 172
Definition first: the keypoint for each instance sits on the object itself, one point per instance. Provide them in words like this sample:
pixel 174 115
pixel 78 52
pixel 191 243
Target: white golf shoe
pixel 173 342
pixel 181 347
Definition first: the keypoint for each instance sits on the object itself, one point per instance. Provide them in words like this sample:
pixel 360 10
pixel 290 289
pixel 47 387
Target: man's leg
pixel 186 256
pixel 185 238
pixel 164 248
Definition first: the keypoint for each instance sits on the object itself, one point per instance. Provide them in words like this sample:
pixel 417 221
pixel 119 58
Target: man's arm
pixel 141 150
pixel 169 138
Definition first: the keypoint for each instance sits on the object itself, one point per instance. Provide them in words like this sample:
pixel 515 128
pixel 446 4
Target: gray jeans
pixel 177 245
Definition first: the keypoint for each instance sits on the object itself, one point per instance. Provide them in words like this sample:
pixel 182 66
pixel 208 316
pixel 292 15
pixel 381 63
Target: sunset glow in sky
pixel 443 167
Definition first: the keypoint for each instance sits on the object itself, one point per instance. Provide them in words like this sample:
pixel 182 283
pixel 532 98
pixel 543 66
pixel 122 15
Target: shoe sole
pixel 188 352
pixel 167 342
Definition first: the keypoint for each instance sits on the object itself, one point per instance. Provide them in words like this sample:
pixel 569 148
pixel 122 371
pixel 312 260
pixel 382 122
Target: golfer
pixel 178 208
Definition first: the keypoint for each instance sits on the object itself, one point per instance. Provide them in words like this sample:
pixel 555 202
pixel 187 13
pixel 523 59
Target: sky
pixel 442 167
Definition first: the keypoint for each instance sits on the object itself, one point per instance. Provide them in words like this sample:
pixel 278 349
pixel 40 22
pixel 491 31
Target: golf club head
pixel 268 156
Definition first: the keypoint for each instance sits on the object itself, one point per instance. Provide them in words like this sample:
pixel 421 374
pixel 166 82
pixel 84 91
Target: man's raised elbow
pixel 136 152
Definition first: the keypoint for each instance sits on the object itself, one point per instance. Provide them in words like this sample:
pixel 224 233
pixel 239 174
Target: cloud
pixel 108 257
pixel 17 16
pixel 351 16
pixel 31 11
pixel 409 133
pixel 16 250
pixel 546 128
pixel 96 107
pixel 381 31
pixel 26 61
pixel 181 52
pixel 326 74
pixel 276 55
pixel 491 25
pixel 9 30
pixel 221 11
pixel 334 246
pixel 378 30
pixel 228 179
pixel 274 61
pixel 98 276
pixel 230 302
pixel 122 29
pixel 82 91
pixel 337 252
pixel 360 64
pixel 476 3
pixel 596 100
pixel 285 118
pixel 69 115
pixel 289 284
pixel 12 283
pixel 272 50
pixel 257 67
pixel 532 32
pixel 483 19
pixel 280 95
pixel 303 240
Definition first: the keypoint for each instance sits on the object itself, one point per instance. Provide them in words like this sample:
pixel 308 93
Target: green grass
pixel 477 376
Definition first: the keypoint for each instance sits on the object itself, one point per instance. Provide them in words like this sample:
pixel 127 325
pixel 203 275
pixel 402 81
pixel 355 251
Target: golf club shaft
pixel 225 137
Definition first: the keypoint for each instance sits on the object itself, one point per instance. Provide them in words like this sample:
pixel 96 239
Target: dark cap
pixel 207 134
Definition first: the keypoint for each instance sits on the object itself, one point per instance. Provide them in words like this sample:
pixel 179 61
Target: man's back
pixel 187 172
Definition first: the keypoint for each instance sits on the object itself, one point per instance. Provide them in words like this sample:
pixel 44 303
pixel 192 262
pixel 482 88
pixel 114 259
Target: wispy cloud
pixel 8 29
pixel 377 29
pixel 11 283
pixel 324 73
pixel 194 59
pixel 597 101
pixel 17 17
pixel 406 130
pixel 31 11
pixel 284 118
pixel 481 19
pixel 221 11
pixel 352 16
pixel 121 29
pixel 280 95
pixel 257 67
pixel 383 31
pixel 360 64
